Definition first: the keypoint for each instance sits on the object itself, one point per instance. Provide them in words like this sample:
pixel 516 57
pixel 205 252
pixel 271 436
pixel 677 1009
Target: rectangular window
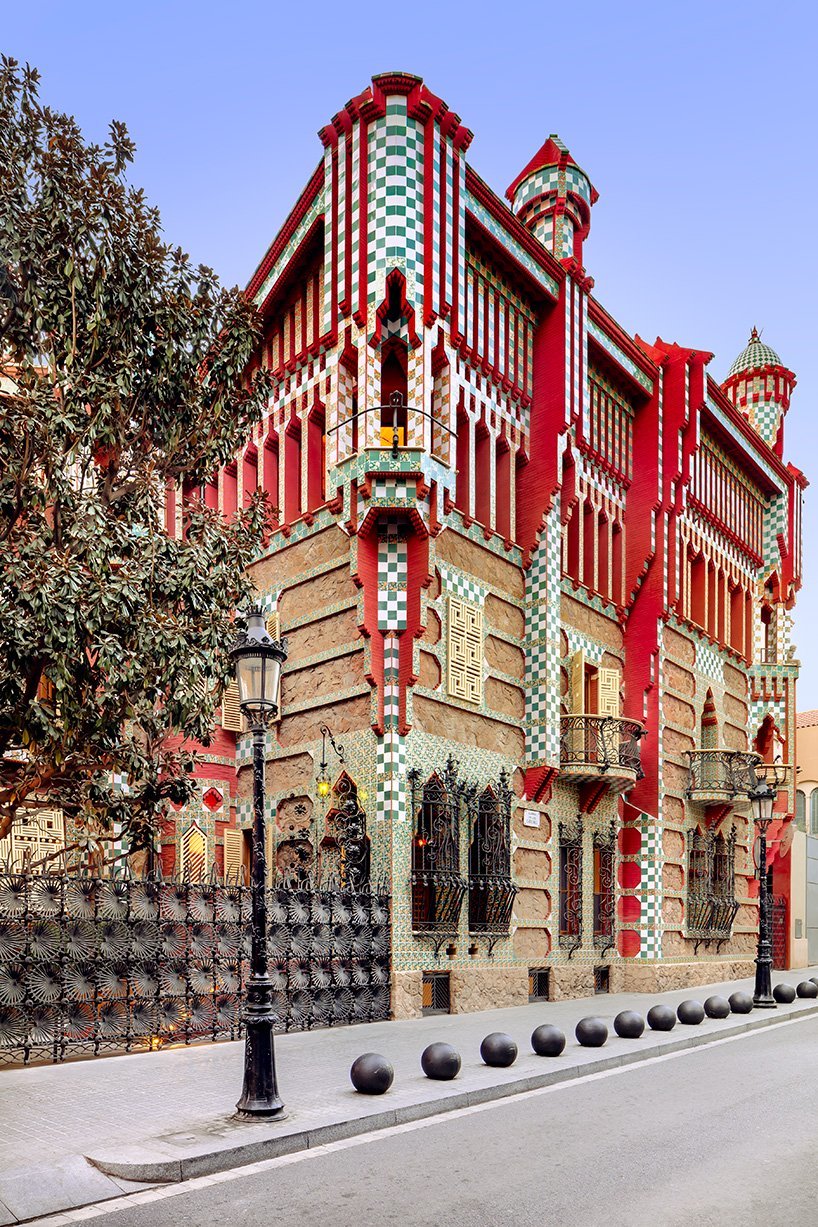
pixel 465 651
pixel 538 984
pixel 436 992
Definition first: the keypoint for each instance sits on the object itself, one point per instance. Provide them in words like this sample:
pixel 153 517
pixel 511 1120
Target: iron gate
pixel 91 964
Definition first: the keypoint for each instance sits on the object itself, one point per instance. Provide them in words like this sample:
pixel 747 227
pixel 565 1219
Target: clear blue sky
pixel 695 121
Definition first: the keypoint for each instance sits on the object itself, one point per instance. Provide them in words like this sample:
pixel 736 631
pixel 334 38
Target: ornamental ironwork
pixel 724 771
pixel 91 964
pixel 570 851
pixel 606 744
pixel 346 831
pixel 491 890
pixel 604 888
pixel 437 885
pixel 711 885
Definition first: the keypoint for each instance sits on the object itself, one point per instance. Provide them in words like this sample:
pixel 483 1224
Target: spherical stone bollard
pixel 814 979
pixel 629 1025
pixel 591 1032
pixel 807 989
pixel 741 1003
pixel 690 1013
pixel 717 1007
pixel 661 1018
pixel 784 994
pixel 498 1049
pixel 440 1061
pixel 547 1040
pixel 371 1074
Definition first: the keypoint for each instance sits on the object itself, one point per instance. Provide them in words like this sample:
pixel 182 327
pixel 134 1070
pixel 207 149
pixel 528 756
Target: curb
pixel 155 1161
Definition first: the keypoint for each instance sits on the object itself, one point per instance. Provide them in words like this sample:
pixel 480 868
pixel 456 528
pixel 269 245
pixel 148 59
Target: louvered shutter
pixel 233 854
pixel 232 719
pixel 608 681
pixel 577 681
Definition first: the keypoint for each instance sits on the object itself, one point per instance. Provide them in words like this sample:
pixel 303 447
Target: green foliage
pixel 122 374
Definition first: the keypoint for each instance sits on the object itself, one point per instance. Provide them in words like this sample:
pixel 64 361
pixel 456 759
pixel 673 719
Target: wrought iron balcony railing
pixel 726 773
pixel 491 899
pixel 710 917
pixel 437 897
pixel 601 745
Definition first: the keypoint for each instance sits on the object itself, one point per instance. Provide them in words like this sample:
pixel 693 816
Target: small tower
pixel 552 196
pixel 759 385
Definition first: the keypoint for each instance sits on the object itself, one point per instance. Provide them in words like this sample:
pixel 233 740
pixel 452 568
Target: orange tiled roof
pixel 806 719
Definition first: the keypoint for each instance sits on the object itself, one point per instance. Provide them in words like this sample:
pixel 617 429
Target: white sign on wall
pixel 531 818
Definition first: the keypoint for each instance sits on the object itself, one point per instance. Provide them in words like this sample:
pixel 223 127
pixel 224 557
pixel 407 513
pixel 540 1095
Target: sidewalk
pixel 162 1116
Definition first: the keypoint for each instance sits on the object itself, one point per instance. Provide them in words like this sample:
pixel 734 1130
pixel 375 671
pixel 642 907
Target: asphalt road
pixel 723 1135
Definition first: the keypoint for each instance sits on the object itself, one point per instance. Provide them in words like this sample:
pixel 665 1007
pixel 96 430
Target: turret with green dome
pixel 760 386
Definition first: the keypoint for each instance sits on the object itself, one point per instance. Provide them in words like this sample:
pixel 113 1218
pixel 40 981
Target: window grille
pixel 465 651
pixel 437 887
pixel 711 885
pixel 539 984
pixel 604 887
pixel 437 997
pixel 491 891
pixel 602 980
pixel 346 832
pixel 570 837
pixel 194 854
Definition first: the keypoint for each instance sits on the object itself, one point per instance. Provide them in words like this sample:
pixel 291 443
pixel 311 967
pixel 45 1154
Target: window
pixel 465 650
pixel 194 853
pixel 604 890
pixel 346 844
pixel 570 934
pixel 35 834
pixel 711 884
pixel 801 809
pixel 813 812
pixel 491 893
pixel 437 887
pixel 437 993
pixel 539 983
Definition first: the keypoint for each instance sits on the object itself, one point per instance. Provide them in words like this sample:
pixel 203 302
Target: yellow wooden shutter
pixel 233 854
pixel 232 719
pixel 274 625
pixel 608 691
pixel 577 681
pixel 465 651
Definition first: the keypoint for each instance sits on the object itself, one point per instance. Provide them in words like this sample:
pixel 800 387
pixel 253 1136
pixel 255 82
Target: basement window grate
pixel 436 992
pixel 539 984
pixel 602 980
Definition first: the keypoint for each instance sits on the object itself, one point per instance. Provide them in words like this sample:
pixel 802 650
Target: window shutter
pixel 232 719
pixel 465 651
pixel 274 625
pixel 194 853
pixel 608 691
pixel 577 683
pixel 233 854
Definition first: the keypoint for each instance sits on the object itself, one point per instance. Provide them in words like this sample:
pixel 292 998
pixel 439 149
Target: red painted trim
pixel 501 213
pixel 287 231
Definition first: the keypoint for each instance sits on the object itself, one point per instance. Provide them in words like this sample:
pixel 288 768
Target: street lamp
pixel 762 796
pixel 257 660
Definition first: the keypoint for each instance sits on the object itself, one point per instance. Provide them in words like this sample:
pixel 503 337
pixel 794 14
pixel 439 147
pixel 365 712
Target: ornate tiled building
pixel 535 576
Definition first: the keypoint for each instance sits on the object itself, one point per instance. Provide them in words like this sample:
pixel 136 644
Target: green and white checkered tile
pixel 459 584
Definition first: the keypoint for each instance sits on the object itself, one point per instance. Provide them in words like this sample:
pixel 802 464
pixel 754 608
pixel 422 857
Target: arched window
pixel 437 887
pixel 394 365
pixel 346 843
pixel 194 853
pixel 491 893
pixel 813 812
pixel 801 809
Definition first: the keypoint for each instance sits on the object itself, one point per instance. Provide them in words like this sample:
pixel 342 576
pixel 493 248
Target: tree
pixel 122 376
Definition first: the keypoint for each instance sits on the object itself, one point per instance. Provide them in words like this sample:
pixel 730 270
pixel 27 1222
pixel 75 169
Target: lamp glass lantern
pixel 258 659
pixel 763 801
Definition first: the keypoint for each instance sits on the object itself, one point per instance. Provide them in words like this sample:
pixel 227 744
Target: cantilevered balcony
pixel 720 775
pixel 601 747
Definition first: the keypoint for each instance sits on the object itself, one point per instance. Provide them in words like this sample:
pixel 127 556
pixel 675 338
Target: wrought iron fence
pixel 606 743
pixel 90 965
pixel 711 874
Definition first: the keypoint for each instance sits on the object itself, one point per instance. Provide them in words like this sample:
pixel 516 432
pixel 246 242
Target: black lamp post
pixel 257 660
pixel 763 796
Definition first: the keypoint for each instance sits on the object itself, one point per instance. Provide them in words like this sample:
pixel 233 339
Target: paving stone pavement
pixel 175 1107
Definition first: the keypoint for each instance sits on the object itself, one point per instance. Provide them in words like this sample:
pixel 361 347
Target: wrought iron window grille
pixel 346 833
pixel 711 893
pixel 437 886
pixel 105 964
pixel 491 890
pixel 570 914
pixel 604 889
pixel 603 742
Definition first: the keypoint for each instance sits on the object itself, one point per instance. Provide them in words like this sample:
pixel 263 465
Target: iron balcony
pixel 601 746
pixel 719 775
